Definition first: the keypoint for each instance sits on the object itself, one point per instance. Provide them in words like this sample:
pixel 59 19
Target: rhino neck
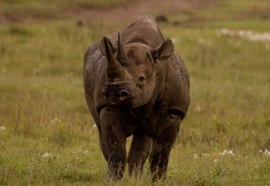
pixel 141 113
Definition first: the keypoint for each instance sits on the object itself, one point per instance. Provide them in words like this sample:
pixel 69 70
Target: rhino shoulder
pixel 177 84
pixel 92 53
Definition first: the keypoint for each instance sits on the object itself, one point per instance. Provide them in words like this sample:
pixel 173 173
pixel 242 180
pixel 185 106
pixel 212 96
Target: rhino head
pixel 131 72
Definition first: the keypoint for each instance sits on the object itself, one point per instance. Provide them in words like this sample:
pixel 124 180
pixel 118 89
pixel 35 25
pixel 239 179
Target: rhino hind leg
pixel 162 145
pixel 139 151
pixel 113 142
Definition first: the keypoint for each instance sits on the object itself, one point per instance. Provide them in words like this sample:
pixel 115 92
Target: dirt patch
pixel 17 18
pixel 125 12
pixel 137 8
pixel 263 13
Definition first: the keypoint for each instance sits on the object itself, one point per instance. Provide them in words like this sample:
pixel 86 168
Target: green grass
pixel 43 109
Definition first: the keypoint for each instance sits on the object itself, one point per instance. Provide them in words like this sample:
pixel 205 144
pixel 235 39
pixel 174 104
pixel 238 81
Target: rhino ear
pixel 106 43
pixel 164 51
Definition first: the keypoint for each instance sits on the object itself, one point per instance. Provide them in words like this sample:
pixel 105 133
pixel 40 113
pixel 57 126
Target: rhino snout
pixel 116 96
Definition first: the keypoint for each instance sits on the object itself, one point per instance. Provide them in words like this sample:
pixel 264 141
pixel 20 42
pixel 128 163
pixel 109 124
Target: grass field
pixel 48 137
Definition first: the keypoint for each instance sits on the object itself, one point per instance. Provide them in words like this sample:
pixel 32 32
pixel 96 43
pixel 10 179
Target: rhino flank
pixel 136 84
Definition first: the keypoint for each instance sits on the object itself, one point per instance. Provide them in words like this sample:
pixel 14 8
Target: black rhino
pixel 136 84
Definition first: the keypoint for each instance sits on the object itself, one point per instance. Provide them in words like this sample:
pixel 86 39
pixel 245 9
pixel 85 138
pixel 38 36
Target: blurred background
pixel 47 135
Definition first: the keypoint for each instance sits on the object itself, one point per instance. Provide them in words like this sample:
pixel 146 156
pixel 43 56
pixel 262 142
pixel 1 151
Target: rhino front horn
pixel 114 69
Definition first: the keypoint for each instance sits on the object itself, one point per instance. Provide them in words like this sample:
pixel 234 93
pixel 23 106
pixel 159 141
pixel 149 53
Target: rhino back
pixel 144 30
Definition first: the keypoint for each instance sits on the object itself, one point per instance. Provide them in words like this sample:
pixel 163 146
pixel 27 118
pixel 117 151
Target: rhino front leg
pixel 139 151
pixel 162 144
pixel 113 142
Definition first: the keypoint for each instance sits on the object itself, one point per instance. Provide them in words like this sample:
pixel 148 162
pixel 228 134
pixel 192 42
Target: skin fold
pixel 136 84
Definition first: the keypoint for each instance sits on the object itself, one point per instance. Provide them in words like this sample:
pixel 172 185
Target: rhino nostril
pixel 124 95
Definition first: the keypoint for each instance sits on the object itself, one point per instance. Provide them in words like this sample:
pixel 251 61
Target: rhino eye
pixel 141 79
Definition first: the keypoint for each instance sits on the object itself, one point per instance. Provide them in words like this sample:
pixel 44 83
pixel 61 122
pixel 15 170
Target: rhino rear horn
pixel 121 55
pixel 163 51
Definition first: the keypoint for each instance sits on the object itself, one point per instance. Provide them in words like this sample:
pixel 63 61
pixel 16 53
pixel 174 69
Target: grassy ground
pixel 47 135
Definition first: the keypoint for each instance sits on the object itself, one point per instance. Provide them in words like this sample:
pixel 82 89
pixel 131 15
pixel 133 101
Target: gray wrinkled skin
pixel 140 90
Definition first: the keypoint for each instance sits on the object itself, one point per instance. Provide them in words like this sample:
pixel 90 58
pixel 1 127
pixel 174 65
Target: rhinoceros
pixel 136 84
